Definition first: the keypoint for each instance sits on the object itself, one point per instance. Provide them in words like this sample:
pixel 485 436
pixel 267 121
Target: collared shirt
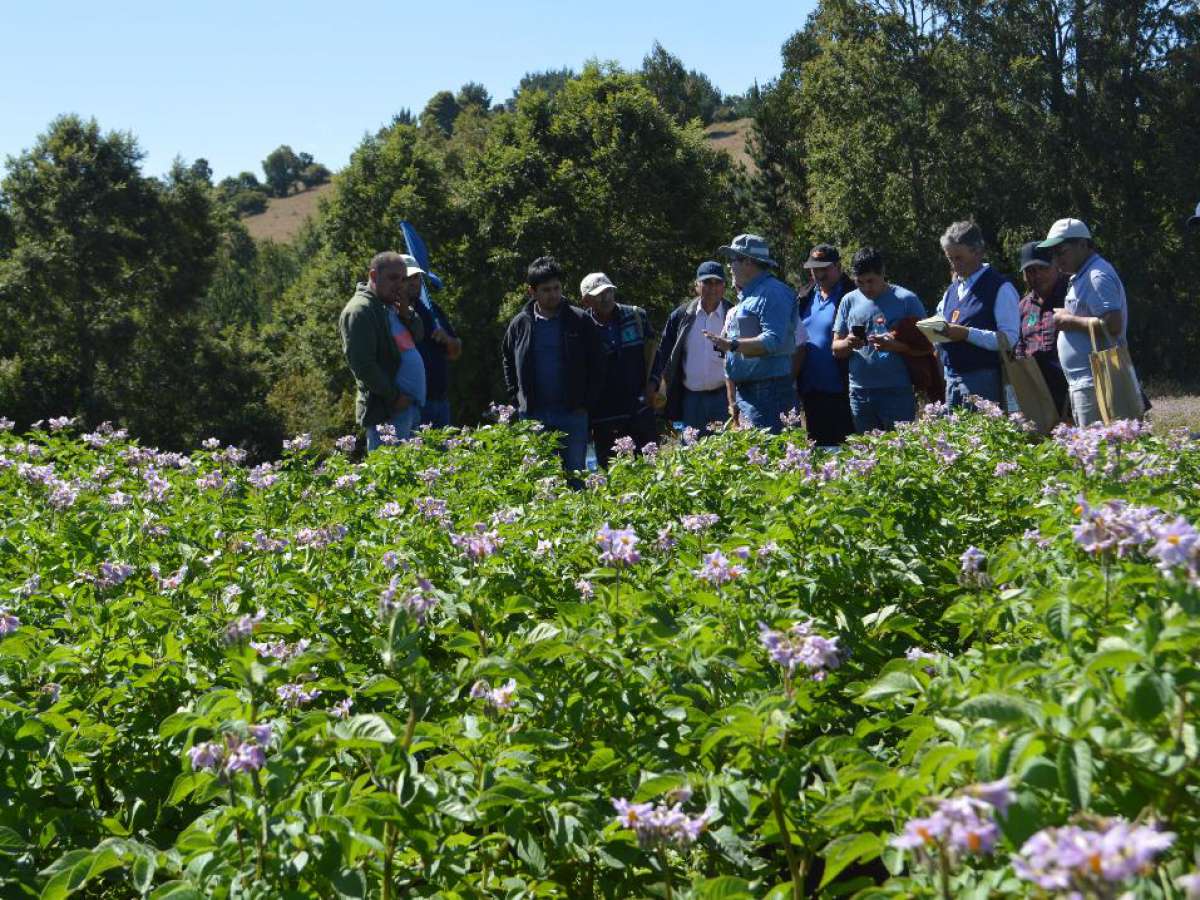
pixel 1039 335
pixel 1094 290
pixel 704 367
pixel 767 310
pixel 1008 317
pixel 821 372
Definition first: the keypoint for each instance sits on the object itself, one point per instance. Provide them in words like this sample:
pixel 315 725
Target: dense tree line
pixel 892 119
pixel 143 300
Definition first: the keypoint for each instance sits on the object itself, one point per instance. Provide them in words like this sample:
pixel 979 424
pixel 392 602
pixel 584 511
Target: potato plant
pixel 949 661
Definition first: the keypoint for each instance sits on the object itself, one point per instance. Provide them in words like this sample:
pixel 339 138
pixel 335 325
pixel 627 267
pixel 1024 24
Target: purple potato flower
pixel 659 824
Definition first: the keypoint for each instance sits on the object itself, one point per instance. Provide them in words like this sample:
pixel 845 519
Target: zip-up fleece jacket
pixel 582 355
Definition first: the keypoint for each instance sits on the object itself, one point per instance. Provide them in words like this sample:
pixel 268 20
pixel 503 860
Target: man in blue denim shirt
pixel 760 337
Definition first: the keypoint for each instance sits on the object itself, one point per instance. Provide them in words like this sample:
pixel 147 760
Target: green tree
pixel 473 94
pixel 98 299
pixel 685 94
pixel 440 113
pixel 550 81
pixel 282 170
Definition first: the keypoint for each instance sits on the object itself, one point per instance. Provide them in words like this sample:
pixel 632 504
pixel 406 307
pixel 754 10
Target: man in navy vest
pixel 979 303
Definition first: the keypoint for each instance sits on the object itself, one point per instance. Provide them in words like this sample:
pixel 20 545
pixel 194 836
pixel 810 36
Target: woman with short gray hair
pixel 979 304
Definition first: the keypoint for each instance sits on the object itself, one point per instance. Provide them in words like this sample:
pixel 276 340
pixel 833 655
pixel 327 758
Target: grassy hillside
pixel 285 215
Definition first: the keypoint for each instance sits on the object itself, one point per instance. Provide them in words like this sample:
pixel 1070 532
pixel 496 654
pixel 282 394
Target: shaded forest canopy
pixel 144 301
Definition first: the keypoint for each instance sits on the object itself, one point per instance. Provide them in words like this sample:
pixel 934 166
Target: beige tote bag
pixel 1033 397
pixel 1118 394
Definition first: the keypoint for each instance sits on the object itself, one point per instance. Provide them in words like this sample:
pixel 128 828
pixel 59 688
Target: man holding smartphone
pixel 760 339
pixel 881 389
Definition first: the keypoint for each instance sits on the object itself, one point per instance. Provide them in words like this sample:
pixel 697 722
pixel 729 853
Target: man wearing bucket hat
pixel 760 338
pixel 628 341
pixel 1094 294
pixel 687 364
pixel 1047 291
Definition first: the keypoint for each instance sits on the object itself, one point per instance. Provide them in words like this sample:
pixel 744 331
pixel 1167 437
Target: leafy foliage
pixel 403 718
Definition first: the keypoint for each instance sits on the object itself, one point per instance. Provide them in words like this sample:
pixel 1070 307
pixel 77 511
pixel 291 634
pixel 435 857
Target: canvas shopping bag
pixel 1118 394
pixel 1033 397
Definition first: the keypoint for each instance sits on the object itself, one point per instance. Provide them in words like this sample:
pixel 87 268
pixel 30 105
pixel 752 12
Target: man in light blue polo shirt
pixel 1095 299
pixel 760 337
pixel 881 390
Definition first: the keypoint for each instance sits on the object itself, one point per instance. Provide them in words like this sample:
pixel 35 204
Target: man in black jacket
pixel 686 366
pixel 553 364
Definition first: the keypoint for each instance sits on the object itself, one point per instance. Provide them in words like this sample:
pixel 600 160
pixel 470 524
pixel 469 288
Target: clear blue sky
pixel 230 81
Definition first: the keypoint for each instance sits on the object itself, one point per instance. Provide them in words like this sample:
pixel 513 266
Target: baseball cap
pixel 821 256
pixel 1065 230
pixel 751 246
pixel 1195 220
pixel 709 270
pixel 594 284
pixel 1034 255
pixel 411 265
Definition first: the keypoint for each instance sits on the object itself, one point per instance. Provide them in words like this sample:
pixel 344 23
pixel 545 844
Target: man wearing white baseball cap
pixel 1095 293
pixel 628 341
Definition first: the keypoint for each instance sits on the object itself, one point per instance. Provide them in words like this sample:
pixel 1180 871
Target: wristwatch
pixel 733 345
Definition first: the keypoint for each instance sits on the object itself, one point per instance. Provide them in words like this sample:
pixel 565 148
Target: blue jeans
pixel 436 413
pixel 702 407
pixel 573 427
pixel 983 383
pixel 881 407
pixel 404 422
pixel 761 403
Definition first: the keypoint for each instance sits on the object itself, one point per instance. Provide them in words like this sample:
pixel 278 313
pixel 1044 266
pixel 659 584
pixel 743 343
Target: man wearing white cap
pixel 1095 295
pixel 628 342
pixel 439 346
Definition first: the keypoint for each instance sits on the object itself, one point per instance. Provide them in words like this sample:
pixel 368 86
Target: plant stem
pixel 666 871
pixel 389 850
pixel 943 873
pixel 411 726
pixel 786 837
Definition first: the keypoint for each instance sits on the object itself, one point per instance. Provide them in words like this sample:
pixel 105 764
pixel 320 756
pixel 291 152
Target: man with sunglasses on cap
pixel 760 337
pixel 687 364
pixel 439 347
pixel 823 381
pixel 1047 291
pixel 1095 299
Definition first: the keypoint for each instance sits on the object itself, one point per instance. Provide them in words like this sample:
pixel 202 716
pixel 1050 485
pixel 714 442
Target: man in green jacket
pixel 374 354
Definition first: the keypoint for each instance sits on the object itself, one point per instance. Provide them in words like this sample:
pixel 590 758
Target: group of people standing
pixel 847 352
